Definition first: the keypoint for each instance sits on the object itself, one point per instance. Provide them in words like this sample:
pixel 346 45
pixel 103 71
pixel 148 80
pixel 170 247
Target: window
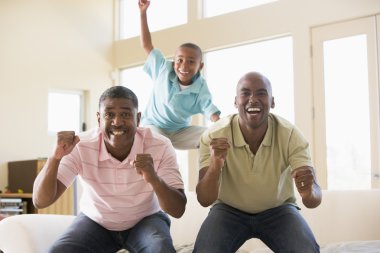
pixel 217 7
pixel 65 111
pixel 183 163
pixel 139 82
pixel 347 104
pixel 175 13
pixel 348 159
pixel 273 58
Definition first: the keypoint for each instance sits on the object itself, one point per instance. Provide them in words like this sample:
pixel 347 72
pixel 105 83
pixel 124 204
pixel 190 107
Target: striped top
pixel 114 195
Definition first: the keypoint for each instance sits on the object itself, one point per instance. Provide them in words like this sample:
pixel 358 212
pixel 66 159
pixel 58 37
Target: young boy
pixel 179 90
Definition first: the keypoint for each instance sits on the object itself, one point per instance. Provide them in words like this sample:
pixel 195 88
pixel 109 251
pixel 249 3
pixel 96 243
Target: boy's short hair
pixel 119 92
pixel 193 46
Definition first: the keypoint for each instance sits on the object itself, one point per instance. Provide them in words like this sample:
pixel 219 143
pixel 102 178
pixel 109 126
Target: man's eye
pixel 125 115
pixel 260 94
pixel 108 115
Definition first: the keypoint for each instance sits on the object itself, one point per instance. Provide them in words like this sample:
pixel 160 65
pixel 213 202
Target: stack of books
pixel 12 206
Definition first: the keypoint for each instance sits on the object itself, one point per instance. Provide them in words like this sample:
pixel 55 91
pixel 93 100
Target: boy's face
pixel 187 63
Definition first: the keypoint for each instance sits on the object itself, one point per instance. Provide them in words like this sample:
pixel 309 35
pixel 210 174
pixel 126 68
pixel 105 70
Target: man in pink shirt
pixel 130 180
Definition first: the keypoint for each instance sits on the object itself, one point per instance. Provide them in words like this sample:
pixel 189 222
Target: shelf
pixel 21 175
pixel 16 195
pixel 25 197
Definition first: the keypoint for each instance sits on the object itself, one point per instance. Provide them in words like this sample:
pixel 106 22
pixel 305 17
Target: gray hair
pixel 119 92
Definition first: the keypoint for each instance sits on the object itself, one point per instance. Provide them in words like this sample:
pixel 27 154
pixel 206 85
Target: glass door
pixel 346 104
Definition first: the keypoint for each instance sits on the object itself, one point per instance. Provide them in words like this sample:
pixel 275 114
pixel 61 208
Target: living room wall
pixel 48 45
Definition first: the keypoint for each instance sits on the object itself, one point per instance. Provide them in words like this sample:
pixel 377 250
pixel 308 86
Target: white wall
pixel 345 216
pixel 48 44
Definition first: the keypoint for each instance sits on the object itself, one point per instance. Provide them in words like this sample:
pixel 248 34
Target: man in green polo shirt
pixel 250 163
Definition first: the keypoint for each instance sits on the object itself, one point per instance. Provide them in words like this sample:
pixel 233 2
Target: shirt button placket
pixel 119 177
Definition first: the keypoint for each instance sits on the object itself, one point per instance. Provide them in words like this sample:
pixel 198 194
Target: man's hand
pixel 307 186
pixel 218 149
pixel 145 167
pixel 304 180
pixel 66 141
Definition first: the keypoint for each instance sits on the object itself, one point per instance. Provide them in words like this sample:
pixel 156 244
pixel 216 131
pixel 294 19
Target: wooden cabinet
pixel 21 175
pixel 63 205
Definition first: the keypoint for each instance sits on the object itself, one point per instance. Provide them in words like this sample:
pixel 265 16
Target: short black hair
pixel 119 92
pixel 193 46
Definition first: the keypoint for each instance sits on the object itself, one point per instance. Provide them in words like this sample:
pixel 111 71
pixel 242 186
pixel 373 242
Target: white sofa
pixel 345 222
pixel 31 233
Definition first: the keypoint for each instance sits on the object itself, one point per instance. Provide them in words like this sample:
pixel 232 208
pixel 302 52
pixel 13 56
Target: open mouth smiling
pixel 118 132
pixel 183 72
pixel 253 110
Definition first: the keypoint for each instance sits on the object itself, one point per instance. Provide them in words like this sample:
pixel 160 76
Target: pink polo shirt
pixel 114 195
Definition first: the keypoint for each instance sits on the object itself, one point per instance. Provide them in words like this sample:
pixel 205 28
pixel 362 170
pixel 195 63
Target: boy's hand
pixel 143 5
pixel 214 117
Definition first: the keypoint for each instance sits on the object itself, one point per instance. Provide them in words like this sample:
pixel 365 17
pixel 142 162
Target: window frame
pixel 335 31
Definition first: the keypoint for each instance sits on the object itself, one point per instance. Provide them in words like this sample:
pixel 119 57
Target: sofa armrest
pixel 31 233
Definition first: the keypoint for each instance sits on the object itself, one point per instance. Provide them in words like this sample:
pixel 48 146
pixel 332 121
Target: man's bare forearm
pixel 208 186
pixel 46 184
pixel 172 201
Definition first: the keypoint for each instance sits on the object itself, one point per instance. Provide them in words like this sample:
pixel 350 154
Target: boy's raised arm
pixel 146 40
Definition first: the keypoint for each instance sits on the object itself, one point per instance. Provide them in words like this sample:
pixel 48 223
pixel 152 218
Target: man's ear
pixel 273 103
pixel 98 118
pixel 138 116
pixel 235 103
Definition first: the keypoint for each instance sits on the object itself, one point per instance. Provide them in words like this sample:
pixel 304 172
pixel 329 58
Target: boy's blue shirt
pixel 169 107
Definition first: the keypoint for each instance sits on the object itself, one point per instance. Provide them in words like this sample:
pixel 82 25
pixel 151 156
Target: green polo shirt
pixel 254 183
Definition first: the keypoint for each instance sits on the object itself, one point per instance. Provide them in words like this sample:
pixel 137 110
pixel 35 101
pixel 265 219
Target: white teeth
pixel 253 109
pixel 183 72
pixel 117 132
